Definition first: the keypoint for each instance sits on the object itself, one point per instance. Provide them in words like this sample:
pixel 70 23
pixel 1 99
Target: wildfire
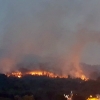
pixel 15 74
pixel 41 73
pixel 35 73
pixel 83 77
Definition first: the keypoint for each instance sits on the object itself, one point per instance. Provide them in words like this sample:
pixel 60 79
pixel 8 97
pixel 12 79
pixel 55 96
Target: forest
pixel 46 88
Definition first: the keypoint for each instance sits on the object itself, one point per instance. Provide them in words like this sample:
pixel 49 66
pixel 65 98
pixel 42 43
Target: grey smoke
pixel 50 30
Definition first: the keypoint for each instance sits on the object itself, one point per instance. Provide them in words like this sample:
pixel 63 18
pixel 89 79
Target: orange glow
pixel 83 77
pixel 19 76
pixel 92 98
pixel 42 73
pixel 15 74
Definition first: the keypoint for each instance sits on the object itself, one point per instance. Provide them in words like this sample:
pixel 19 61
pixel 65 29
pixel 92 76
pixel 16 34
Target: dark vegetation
pixel 44 88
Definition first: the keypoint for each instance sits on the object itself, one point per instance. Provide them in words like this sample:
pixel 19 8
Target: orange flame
pixel 42 73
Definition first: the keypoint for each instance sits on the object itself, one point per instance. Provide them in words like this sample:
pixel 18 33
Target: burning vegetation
pixel 34 73
pixel 20 74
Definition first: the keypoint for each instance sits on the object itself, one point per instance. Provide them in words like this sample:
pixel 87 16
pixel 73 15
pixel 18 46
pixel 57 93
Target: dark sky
pixel 44 30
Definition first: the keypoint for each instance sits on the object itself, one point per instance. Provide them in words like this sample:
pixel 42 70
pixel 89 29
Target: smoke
pixel 52 31
pixel 84 37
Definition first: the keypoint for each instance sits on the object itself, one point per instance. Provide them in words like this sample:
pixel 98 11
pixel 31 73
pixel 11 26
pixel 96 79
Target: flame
pixel 38 73
pixel 83 77
pixel 15 74
pixel 42 73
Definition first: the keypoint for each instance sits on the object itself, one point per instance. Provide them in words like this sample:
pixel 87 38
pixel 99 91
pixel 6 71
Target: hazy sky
pixel 39 29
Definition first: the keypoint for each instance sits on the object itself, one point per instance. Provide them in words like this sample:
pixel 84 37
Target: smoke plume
pixel 53 31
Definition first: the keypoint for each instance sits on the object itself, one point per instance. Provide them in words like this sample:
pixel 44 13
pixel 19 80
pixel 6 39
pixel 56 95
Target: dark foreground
pixel 44 88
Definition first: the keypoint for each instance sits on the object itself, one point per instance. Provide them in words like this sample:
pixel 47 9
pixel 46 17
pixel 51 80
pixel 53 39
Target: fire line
pixel 40 73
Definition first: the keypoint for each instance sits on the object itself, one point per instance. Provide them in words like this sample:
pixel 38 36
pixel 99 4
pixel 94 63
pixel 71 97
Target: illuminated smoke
pixel 84 37
pixel 42 31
